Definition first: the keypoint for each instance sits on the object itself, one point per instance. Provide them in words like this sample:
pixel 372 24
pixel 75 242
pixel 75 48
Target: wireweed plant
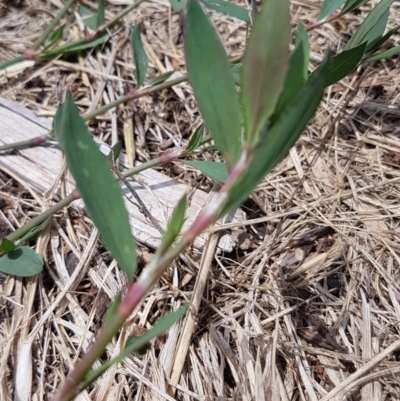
pixel 253 122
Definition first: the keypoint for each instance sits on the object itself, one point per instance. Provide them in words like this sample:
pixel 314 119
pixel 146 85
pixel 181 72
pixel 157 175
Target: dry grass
pixel 308 305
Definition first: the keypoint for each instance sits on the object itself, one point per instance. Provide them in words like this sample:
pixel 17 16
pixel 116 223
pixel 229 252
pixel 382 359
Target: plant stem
pixel 47 32
pixel 153 271
pixel 329 18
pixel 38 140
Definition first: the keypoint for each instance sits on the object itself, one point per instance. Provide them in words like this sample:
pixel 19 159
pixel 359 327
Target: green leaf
pixel 264 66
pixel 297 74
pixel 345 62
pixel 89 17
pixel 377 43
pixel 100 14
pixel 136 343
pixel 34 231
pixel 214 88
pixel 21 262
pixel 161 78
pixel 75 47
pixel 228 8
pixel 195 140
pixel 55 37
pixel 281 137
pixel 174 225
pixel 178 5
pixel 139 55
pixel 215 170
pixel 115 152
pixel 236 72
pixel 352 5
pixel 96 184
pixel 6 245
pixel 329 7
pixel 373 26
pixel 387 54
pixel 112 309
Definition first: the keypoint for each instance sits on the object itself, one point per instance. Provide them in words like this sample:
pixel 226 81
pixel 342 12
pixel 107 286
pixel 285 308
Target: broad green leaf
pixel 139 55
pixel 352 5
pixel 195 140
pixel 214 88
pixel 214 170
pixel 21 262
pixel 75 47
pixel 281 137
pixel 372 25
pixel 161 78
pixel 55 37
pixel 329 7
pixel 228 8
pixel 112 309
pixel 89 17
pixel 174 225
pixel 96 185
pixel 264 66
pixel 297 75
pixel 34 231
pixel 178 5
pixel 377 43
pixel 135 343
pixel 6 245
pixel 387 54
pixel 345 62
pixel 100 14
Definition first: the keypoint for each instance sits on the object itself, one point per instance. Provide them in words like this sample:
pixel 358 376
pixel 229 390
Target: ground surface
pixel 311 292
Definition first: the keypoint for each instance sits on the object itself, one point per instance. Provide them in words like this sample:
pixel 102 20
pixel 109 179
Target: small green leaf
pixel 34 231
pixel 352 5
pixel 387 54
pixel 214 170
pixel 161 78
pixel 178 5
pixel 195 140
pixel 281 137
pixel 212 82
pixel 236 72
pixel 377 43
pixel 228 8
pixel 112 309
pixel 55 37
pixel 329 7
pixel 297 74
pixel 345 62
pixel 21 262
pixel 6 245
pixel 100 14
pixel 264 66
pixel 373 26
pixel 89 17
pixel 140 351
pixel 136 343
pixel 174 225
pixel 139 55
pixel 96 184
pixel 116 151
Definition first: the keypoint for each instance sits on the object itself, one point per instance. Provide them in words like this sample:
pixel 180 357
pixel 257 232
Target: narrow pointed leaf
pixel 264 66
pixel 214 88
pixel 297 75
pixel 282 136
pixel 135 343
pixel 377 43
pixel 89 17
pixel 55 37
pixel 195 140
pixel 6 245
pixel 228 8
pixel 329 7
pixel 21 262
pixel 352 5
pixel 387 54
pixel 174 225
pixel 35 231
pixel 214 170
pixel 178 5
pixel 161 78
pixel 96 184
pixel 100 14
pixel 139 55
pixel 345 62
pixel 371 27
